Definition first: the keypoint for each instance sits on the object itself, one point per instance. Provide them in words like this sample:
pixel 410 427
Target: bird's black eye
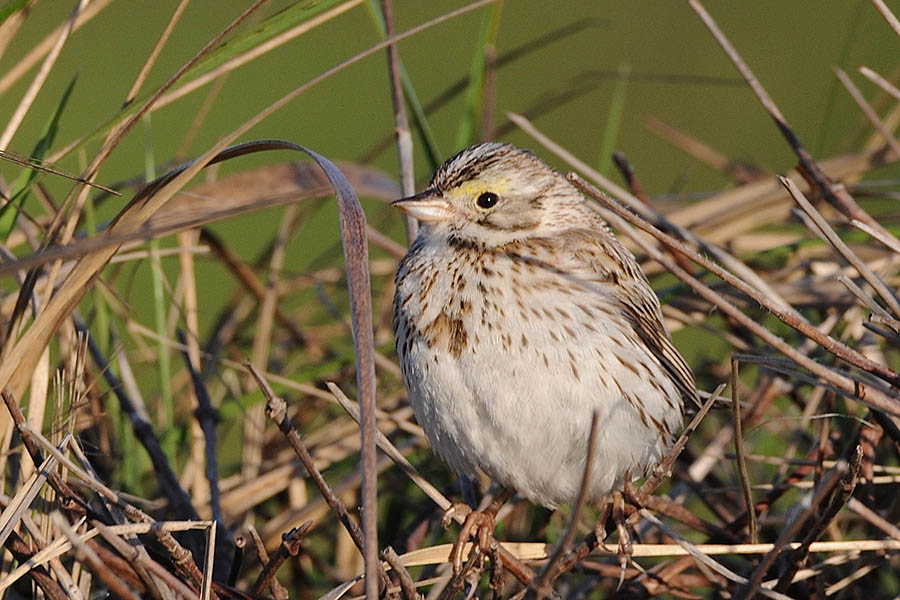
pixel 487 200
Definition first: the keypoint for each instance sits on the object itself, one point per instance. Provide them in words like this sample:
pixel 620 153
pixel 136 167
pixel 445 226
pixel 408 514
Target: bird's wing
pixel 607 262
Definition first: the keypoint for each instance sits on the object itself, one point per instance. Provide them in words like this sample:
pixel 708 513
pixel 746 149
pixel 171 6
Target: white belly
pixel 516 396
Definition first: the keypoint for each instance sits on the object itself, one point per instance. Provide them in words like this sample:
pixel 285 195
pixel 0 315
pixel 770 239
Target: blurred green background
pixel 677 74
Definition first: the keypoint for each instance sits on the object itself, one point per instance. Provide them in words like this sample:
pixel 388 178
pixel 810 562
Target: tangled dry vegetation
pixel 786 285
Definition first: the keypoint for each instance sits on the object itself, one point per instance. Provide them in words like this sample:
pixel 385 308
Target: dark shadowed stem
pixel 275 588
pixel 179 500
pixel 836 195
pixel 276 409
pixel 237 560
pixel 136 556
pixel 401 122
pixel 66 494
pixel 23 551
pixel 457 581
pixel 708 562
pixel 33 441
pixel 815 505
pixel 407 585
pixel 874 518
pixel 539 585
pixel 664 505
pixel 739 452
pixel 879 398
pixel 838 500
pixel 290 546
pixel 207 417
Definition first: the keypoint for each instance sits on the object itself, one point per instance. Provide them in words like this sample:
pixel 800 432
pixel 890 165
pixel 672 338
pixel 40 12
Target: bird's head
pixel 493 193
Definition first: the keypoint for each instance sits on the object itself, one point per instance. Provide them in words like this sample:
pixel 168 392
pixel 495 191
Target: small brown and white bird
pixel 517 315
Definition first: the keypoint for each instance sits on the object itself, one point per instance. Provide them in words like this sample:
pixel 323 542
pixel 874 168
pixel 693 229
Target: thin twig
pixel 290 546
pixel 836 195
pixel 838 500
pixel 703 558
pixel 822 493
pixel 539 585
pixel 840 247
pixel 739 453
pixel 867 110
pixel 154 54
pixel 83 552
pixel 275 588
pixel 407 584
pixel 401 130
pixel 276 410
pixel 881 399
pixel 878 313
pixel 23 552
pixel 888 15
pixel 510 562
pixel 880 81
pixel 179 500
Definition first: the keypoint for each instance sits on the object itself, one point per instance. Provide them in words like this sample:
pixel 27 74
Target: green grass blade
pixel 614 119
pixel 273 26
pixel 19 192
pixel 420 120
pixel 160 304
pixel 474 103
pixel 264 32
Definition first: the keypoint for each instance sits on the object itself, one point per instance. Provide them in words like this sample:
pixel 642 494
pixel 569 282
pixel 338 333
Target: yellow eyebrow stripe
pixel 477 186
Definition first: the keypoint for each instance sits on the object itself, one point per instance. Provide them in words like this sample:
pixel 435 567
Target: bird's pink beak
pixel 425 206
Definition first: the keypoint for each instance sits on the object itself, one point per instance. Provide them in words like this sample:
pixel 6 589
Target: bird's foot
pixel 478 525
pixel 625 548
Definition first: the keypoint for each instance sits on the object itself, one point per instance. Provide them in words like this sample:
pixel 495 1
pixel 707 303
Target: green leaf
pixel 275 25
pixel 474 103
pixel 614 119
pixel 278 23
pixel 419 119
pixel 19 192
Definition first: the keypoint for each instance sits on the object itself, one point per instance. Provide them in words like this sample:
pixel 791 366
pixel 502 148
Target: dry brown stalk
pixel 290 546
pixel 276 410
pixel 881 399
pixel 407 584
pixel 836 195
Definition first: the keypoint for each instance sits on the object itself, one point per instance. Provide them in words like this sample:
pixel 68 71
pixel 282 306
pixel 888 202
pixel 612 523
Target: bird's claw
pixel 477 524
pixel 459 509
pixel 625 548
